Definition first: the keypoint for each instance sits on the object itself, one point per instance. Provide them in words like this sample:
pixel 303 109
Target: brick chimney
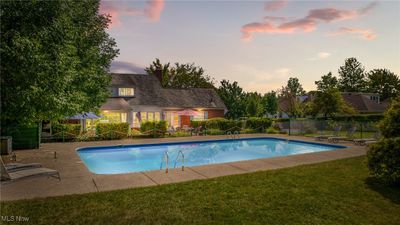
pixel 158 74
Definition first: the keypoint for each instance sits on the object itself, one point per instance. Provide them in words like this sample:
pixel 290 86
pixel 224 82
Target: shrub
pixel 384 160
pixel 390 125
pixel 248 131
pixel 258 124
pixel 223 124
pixel 65 131
pixel 384 156
pixel 272 130
pixel 154 128
pixel 110 131
pixel 215 132
pixel 196 124
pixel 180 134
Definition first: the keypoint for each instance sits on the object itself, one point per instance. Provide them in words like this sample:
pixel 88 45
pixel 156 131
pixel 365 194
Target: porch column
pixel 129 119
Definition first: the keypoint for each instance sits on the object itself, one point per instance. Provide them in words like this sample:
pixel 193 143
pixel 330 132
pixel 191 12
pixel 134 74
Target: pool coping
pixel 77 179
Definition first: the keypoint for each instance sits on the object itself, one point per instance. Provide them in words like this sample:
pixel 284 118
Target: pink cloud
pixel 116 10
pixel 154 9
pixel 331 14
pixel 365 33
pixel 308 23
pixel 275 5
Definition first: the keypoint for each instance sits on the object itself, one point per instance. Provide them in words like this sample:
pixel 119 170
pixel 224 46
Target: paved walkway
pixel 76 178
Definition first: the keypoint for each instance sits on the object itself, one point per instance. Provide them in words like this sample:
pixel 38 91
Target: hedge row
pixel 254 123
pixel 65 131
pixel 154 128
pixel 109 131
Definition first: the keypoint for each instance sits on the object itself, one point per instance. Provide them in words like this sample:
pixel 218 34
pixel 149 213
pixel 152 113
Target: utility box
pixel 6 145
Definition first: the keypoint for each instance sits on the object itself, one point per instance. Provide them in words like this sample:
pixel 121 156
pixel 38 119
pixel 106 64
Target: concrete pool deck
pixel 77 179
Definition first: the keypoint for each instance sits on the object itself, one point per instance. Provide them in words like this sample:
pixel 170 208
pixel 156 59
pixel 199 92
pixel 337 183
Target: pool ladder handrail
pixel 234 135
pixel 183 160
pixel 166 159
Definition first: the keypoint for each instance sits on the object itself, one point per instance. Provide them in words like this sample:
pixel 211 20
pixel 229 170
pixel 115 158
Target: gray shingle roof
pixel 148 91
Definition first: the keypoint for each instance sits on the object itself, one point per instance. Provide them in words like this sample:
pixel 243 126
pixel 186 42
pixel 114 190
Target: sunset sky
pixel 260 44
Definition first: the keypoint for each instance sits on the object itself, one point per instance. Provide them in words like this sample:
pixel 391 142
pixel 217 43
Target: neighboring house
pixel 137 98
pixel 284 105
pixel 365 102
pixel 361 102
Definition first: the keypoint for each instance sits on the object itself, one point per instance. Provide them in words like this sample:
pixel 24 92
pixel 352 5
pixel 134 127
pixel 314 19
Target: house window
pixel 157 116
pixel 113 117
pixel 126 92
pixel 200 116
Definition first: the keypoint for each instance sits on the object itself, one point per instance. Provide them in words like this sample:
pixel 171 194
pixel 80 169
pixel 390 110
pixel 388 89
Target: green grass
pixel 337 192
pixel 357 134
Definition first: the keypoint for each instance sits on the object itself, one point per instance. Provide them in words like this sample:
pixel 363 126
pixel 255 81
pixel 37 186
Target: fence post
pixel 361 130
pixel 62 133
pixel 289 126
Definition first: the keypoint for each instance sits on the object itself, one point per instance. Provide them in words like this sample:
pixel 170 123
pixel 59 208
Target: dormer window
pixel 126 92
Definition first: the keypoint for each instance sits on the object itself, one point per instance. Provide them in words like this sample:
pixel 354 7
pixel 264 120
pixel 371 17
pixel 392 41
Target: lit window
pixel 157 116
pixel 113 117
pixel 126 92
pixel 199 117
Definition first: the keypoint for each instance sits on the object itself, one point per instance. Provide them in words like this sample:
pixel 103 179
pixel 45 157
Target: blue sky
pixel 260 44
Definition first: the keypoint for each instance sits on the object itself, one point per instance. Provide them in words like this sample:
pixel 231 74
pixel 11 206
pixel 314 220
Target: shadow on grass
pixel 391 192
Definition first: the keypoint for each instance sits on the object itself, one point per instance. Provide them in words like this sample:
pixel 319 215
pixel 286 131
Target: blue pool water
pixel 136 158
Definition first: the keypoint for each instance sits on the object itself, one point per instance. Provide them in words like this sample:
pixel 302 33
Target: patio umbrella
pixel 82 116
pixel 187 112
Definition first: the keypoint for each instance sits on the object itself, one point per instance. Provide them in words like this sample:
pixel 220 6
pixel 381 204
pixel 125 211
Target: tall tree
pixel 352 76
pixel 181 75
pixel 55 57
pixel 289 101
pixel 254 107
pixel 327 100
pixel 233 97
pixel 383 82
pixel 270 102
pixel 327 82
pixel 164 68
pixel 329 103
pixel 294 87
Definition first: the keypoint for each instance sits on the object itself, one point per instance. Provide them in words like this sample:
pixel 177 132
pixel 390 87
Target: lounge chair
pixel 198 130
pixel 28 172
pixel 21 166
pixel 364 141
pixel 335 134
pixel 349 135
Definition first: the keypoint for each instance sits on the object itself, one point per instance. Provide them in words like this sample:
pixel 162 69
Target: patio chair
pixel 198 130
pixel 335 134
pixel 349 135
pixel 364 141
pixel 170 130
pixel 21 166
pixel 28 172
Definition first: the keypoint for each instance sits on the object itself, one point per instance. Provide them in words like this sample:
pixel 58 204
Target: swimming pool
pixel 144 157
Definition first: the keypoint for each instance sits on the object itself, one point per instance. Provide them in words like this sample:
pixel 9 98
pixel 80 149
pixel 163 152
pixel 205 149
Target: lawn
pixel 337 192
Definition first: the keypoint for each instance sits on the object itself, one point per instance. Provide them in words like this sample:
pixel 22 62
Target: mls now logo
pixel 14 218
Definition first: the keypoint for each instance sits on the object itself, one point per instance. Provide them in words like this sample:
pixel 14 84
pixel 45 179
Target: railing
pixel 180 153
pixel 165 159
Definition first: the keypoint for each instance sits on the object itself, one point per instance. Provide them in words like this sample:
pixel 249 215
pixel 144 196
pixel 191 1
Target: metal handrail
pixel 166 159
pixel 183 160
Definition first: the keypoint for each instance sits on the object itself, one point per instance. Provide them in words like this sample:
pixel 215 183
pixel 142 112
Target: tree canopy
pixel 383 82
pixel 270 102
pixel 327 82
pixel 293 87
pixel 352 76
pixel 233 97
pixel 181 75
pixel 55 57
